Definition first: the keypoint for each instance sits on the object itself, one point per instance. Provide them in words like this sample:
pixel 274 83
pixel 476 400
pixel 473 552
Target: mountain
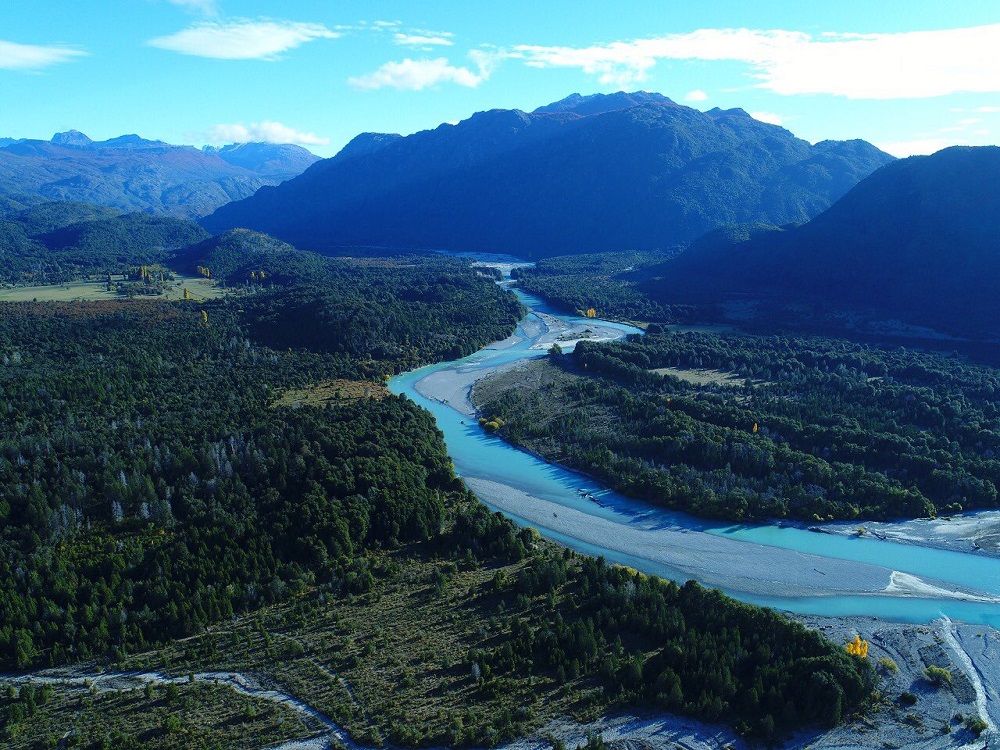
pixel 12 204
pixel 274 161
pixel 366 143
pixel 918 240
pixel 595 104
pixel 71 138
pixel 603 172
pixel 135 174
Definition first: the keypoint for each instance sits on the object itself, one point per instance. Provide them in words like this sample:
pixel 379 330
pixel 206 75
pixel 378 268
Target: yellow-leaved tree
pixel 858 647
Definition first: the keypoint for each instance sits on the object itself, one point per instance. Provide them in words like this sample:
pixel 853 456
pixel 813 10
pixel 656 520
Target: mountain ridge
pixel 132 173
pixel 630 175
pixel 916 240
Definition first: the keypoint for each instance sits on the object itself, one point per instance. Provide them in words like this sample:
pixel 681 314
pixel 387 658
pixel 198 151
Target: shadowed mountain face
pixel 623 171
pixel 918 240
pixel 135 174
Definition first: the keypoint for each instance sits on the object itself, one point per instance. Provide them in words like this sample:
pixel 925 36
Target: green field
pixel 76 291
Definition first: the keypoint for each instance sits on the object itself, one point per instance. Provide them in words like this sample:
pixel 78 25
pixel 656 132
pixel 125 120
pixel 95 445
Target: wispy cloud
pixel 205 7
pixel 416 75
pixel 964 125
pixel 243 39
pixel 28 57
pixel 696 96
pixel 858 66
pixel 421 38
pixel 268 131
pixel 769 117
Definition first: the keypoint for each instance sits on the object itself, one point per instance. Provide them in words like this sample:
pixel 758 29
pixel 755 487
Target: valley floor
pixel 76 291
pixel 937 718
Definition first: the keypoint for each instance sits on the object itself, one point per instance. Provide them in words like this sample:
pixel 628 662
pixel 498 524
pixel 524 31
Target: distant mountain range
pixel 918 240
pixel 134 174
pixel 588 173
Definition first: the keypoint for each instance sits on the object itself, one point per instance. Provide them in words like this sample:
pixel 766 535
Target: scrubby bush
pixel 937 676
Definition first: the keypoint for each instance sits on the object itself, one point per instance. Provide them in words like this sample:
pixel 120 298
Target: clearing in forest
pixel 339 391
pixel 702 377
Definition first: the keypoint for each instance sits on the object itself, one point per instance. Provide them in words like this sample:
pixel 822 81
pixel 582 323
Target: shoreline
pixel 667 546
pixel 972 532
pixel 972 652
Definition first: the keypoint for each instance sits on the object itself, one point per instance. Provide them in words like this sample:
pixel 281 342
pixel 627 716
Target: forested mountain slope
pixel 616 172
pixel 917 240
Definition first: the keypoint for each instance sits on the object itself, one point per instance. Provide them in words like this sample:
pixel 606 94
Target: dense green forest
pixel 151 485
pixel 58 242
pixel 140 443
pixel 148 488
pixel 680 648
pixel 240 255
pixel 806 428
pixel 384 311
pixel 605 282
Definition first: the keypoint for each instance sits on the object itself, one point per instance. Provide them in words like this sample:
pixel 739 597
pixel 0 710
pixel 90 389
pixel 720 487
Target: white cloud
pixel 914 64
pixel 14 56
pixel 421 39
pixel 207 7
pixel 962 125
pixel 416 75
pixel 987 109
pixel 268 131
pixel 243 39
pixel 769 117
pixel 696 96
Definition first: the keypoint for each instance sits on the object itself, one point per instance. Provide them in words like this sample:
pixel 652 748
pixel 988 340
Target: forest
pixel 146 482
pixel 140 444
pixel 760 427
pixel 151 486
pixel 57 242
pixel 683 649
pixel 606 282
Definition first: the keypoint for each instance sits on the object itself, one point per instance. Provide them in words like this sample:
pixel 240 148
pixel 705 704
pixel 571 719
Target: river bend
pixel 788 568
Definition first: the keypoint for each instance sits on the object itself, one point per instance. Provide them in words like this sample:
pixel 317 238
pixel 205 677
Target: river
pixel 788 568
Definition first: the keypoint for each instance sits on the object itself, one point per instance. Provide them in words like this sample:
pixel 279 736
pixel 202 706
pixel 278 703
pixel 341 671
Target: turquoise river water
pixel 488 458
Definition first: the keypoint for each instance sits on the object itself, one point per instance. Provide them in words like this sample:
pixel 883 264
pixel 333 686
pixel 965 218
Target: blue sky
pixel 910 77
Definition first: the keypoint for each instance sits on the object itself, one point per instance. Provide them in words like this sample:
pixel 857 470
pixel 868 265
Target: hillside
pixel 134 174
pixel 623 171
pixel 238 253
pixel 917 240
pixel 60 241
